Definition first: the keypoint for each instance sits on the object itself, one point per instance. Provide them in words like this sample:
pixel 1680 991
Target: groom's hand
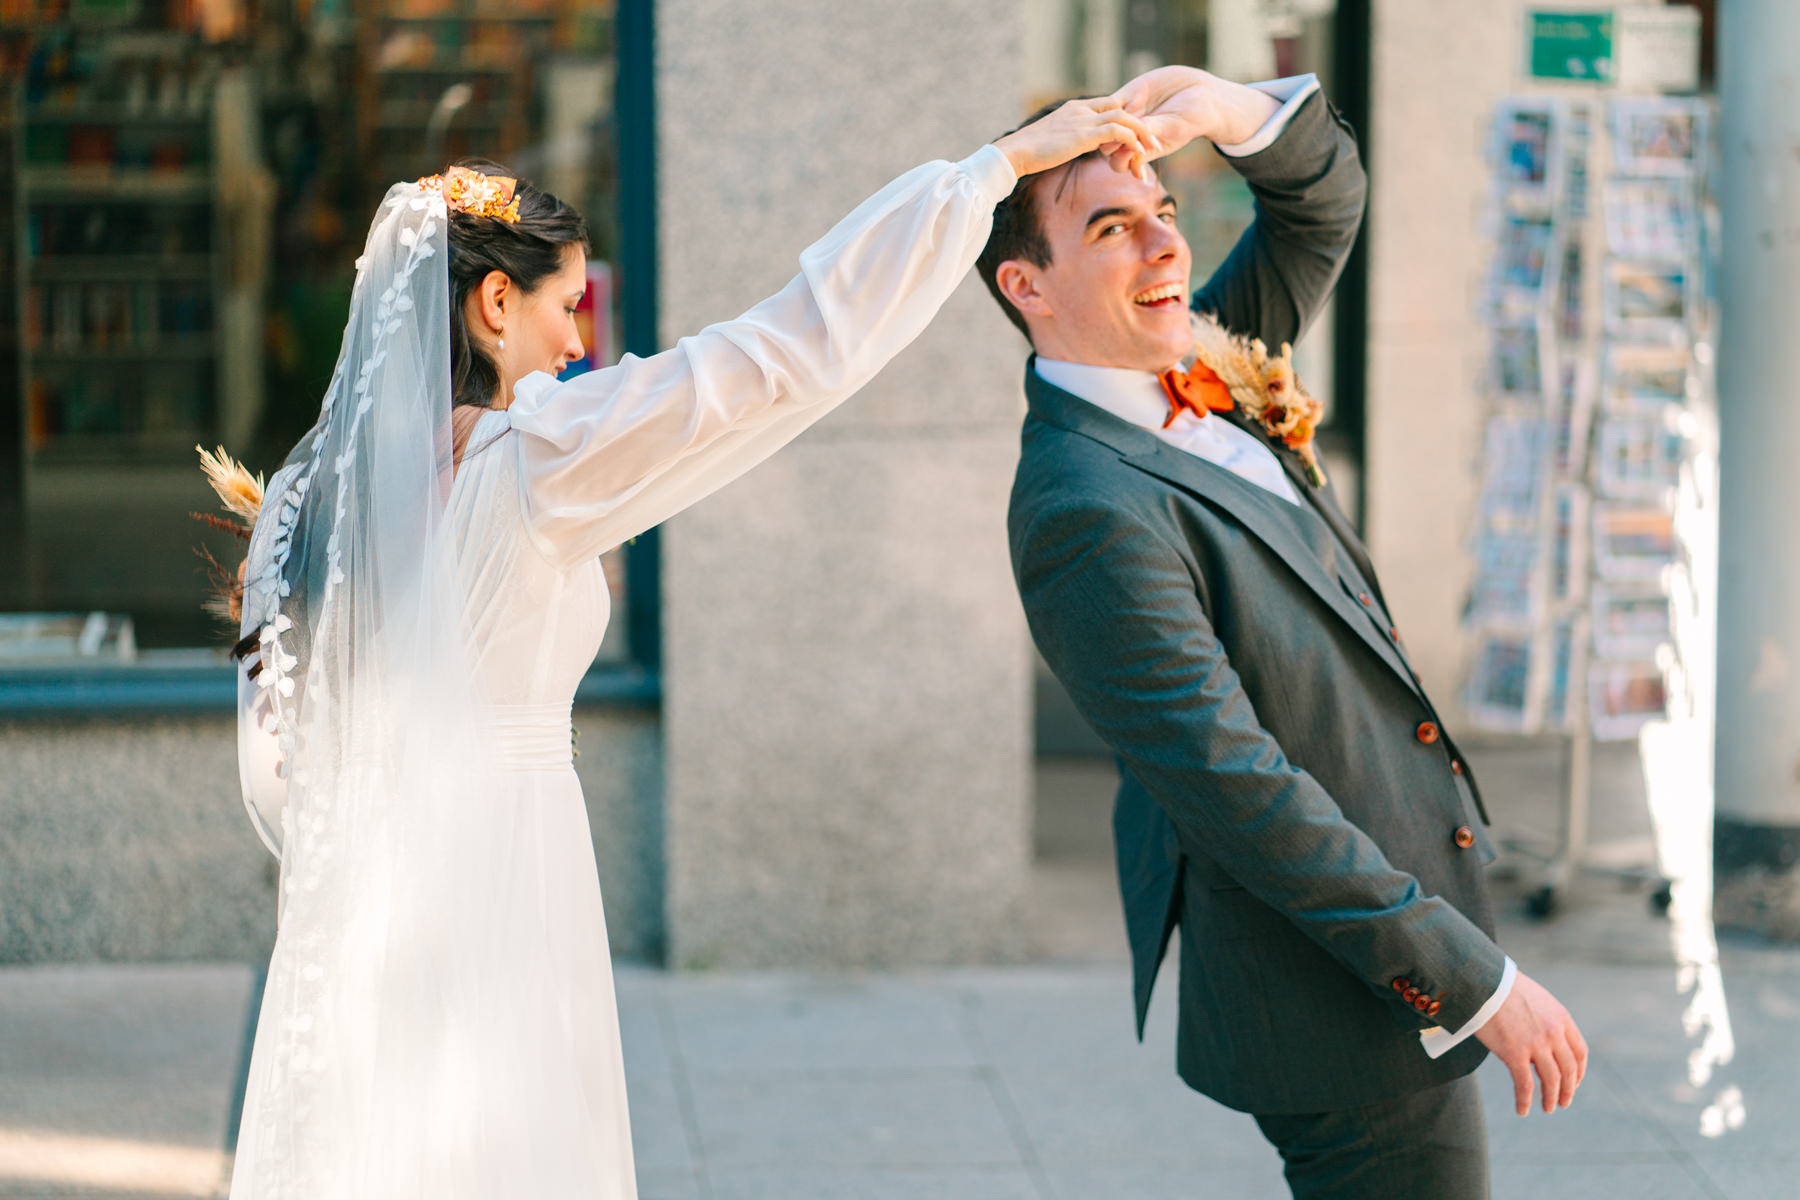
pixel 1532 1030
pixel 1179 104
pixel 1075 128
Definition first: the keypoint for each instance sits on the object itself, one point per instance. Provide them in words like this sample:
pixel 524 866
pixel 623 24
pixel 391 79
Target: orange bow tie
pixel 1198 391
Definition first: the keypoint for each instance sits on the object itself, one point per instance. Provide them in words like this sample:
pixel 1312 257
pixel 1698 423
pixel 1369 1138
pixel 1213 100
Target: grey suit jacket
pixel 1288 795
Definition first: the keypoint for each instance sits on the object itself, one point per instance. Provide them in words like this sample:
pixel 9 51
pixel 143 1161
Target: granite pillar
pixel 846 671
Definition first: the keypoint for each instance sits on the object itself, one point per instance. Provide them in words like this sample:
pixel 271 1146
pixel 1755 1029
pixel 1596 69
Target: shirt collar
pixel 1133 396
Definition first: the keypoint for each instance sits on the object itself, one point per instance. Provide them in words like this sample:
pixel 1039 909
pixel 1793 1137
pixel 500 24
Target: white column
pixel 1758 740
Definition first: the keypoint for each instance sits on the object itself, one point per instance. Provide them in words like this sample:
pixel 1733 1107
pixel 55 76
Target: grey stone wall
pixel 125 840
pixel 846 677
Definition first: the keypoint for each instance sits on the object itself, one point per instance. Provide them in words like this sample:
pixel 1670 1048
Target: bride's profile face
pixel 539 328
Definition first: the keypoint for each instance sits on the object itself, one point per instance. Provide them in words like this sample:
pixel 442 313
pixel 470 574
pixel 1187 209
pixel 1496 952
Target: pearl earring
pixel 503 341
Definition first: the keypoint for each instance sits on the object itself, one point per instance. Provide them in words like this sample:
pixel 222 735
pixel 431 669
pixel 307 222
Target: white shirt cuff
pixel 1439 1042
pixel 1292 92
pixel 992 172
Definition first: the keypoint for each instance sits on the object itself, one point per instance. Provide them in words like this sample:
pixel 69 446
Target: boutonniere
pixel 1265 387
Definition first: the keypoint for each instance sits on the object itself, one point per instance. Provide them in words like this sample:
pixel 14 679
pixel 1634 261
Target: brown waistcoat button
pixel 1427 732
pixel 1465 837
pixel 1456 767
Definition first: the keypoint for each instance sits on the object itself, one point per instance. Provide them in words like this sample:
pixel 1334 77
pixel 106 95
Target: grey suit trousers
pixel 1431 1143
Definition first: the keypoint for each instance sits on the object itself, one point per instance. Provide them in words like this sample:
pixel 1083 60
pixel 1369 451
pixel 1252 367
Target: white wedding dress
pixel 510 1083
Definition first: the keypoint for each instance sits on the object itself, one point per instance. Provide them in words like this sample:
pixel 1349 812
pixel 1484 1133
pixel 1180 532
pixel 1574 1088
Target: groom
pixel 1289 796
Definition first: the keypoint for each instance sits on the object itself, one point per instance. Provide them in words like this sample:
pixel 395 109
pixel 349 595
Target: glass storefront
pixel 186 187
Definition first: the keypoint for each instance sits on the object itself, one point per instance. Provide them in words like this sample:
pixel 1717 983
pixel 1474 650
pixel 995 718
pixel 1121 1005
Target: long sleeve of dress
pixel 611 453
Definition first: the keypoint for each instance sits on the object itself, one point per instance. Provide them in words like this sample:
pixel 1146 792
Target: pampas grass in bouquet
pixel 241 495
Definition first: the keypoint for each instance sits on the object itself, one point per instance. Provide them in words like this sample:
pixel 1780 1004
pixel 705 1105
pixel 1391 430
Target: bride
pixel 421 595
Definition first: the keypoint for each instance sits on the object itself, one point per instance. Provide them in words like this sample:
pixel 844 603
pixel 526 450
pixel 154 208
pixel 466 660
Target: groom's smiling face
pixel 1114 293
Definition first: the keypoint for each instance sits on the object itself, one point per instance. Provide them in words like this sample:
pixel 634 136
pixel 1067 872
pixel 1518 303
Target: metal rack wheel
pixel 1541 904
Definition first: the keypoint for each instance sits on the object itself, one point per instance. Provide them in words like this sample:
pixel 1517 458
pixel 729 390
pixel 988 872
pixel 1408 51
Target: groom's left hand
pixel 1179 104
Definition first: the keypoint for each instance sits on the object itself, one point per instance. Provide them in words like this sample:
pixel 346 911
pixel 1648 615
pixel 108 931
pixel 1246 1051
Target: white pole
pixel 1757 771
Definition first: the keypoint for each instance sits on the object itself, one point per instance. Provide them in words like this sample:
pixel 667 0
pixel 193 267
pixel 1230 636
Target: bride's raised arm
pixel 609 454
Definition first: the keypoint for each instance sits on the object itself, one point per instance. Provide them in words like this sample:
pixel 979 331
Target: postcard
pixel 1502 688
pixel 1515 460
pixel 1646 379
pixel 1633 541
pixel 1571 312
pixel 1574 417
pixel 1624 696
pixel 1640 456
pixel 1650 218
pixel 1524 253
pixel 1517 366
pixel 1527 151
pixel 1506 563
pixel 1650 301
pixel 1569 522
pixel 1630 622
pixel 1657 136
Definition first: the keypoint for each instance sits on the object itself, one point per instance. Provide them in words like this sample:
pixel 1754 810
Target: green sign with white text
pixel 1571 45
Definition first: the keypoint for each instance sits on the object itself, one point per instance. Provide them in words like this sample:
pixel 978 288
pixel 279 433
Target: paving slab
pixel 1003 1183
pixel 795 1024
pixel 119 1080
pixel 998 1083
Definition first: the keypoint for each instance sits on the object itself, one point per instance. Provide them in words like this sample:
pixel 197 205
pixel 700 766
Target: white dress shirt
pixel 1292 92
pixel 1137 397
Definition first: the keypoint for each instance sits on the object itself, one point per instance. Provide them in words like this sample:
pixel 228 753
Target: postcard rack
pixel 1599 314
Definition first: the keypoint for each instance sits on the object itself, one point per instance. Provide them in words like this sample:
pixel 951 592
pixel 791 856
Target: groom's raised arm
pixel 1309 189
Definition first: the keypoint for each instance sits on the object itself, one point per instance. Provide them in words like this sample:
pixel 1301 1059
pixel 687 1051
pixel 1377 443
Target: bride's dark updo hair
pixel 528 251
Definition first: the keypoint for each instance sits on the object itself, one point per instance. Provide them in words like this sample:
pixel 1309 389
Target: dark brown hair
pixel 1018 230
pixel 528 251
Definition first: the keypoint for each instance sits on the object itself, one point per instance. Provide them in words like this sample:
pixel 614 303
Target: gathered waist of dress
pixel 530 736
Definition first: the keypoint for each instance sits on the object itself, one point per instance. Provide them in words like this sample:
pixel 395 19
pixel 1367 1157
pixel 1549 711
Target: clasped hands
pixel 1155 114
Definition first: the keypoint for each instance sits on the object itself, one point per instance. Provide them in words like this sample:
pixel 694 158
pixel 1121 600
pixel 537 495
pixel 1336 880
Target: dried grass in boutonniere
pixel 1265 387
pixel 240 494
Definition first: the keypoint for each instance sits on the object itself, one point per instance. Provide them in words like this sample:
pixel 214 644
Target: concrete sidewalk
pixel 993 1083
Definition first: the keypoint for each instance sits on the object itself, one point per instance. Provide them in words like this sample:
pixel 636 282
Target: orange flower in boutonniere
pixel 1265 387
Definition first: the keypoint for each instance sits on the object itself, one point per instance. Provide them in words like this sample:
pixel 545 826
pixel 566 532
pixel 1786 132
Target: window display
pixel 185 189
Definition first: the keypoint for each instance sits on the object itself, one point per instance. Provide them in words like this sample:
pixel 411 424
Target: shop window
pixel 186 188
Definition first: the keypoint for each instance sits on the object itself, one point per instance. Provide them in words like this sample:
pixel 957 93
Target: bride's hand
pixel 1076 128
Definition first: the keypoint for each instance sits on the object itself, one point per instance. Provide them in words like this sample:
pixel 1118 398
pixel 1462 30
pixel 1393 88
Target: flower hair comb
pixel 477 194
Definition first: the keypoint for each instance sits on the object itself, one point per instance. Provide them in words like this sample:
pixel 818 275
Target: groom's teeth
pixel 1167 291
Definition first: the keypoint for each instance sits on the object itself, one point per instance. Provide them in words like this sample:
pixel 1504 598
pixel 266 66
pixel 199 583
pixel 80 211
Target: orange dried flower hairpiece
pixel 477 194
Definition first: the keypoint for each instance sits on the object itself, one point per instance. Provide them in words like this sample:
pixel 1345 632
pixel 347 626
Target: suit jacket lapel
pixel 1220 488
pixel 1328 512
